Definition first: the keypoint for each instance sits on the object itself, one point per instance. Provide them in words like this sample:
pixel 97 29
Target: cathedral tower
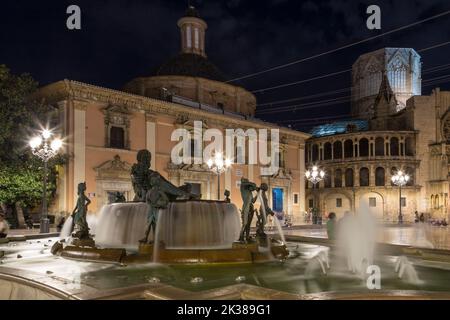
pixel 402 68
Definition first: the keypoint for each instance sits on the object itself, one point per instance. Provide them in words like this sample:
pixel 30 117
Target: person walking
pixel 331 226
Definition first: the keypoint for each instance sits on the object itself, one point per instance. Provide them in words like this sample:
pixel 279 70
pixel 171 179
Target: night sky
pixel 121 40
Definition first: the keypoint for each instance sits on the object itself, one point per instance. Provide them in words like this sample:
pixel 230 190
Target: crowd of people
pixel 435 222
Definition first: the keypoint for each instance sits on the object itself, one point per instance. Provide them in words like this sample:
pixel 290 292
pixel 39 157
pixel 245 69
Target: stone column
pixel 79 146
pixel 355 176
pixel 150 140
pixel 62 182
pixel 332 150
pixel 301 166
pixel 371 175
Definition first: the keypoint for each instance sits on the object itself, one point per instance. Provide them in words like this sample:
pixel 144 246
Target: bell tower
pixel 192 29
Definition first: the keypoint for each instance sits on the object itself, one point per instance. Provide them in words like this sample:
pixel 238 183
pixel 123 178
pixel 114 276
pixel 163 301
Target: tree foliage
pixel 21 173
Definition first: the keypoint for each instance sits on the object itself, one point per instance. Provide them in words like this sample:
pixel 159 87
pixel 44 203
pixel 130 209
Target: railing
pixel 366 158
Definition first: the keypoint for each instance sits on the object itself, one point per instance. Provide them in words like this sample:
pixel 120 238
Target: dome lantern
pixel 192 30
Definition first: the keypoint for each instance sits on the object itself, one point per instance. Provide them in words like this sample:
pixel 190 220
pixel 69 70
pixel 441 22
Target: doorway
pixel 277 199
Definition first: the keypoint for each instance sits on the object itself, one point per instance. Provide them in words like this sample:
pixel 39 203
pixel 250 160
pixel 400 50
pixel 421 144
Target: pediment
pixel 115 168
pixel 113 108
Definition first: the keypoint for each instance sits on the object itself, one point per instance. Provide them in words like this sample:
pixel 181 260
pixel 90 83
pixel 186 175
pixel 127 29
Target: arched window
pixel 315 152
pixel 432 201
pixel 379 146
pixel 327 151
pixel 364 177
pixel 348 149
pixel 337 150
pixel 363 147
pixel 380 179
pixel 338 178
pixel 394 146
pixel 349 177
pixel 327 181
pixel 409 146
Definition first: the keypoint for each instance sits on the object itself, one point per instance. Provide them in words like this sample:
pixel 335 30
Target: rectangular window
pixel 310 203
pixel 403 202
pixel 295 198
pixel 188 37
pixel 338 202
pixel 117 138
pixel 372 202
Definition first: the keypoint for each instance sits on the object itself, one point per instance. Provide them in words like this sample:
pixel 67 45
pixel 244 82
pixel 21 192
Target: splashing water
pixel 356 239
pixel 406 271
pixel 277 222
pixel 316 263
pixel 67 227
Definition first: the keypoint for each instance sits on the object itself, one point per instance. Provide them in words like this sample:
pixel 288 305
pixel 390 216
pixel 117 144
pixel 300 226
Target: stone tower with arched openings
pixel 402 68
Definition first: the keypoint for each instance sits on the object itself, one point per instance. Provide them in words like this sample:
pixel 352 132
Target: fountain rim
pixel 179 201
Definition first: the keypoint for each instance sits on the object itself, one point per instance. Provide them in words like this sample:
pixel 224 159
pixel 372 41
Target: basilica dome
pixel 191 65
pixel 190 78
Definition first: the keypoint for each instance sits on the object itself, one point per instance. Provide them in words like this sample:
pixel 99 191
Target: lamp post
pixel 45 147
pixel 400 179
pixel 218 164
pixel 314 175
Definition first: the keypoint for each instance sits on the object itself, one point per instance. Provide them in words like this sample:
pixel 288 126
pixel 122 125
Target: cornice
pixel 69 89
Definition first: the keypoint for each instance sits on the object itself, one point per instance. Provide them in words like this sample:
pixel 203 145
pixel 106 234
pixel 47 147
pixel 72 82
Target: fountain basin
pixel 188 231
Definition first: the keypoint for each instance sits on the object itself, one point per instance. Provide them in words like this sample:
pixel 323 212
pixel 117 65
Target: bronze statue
pixel 156 199
pixel 79 223
pixel 119 197
pixel 227 196
pixel 264 211
pixel 247 211
pixel 141 178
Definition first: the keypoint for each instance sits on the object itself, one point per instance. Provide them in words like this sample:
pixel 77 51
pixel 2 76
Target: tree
pixel 20 172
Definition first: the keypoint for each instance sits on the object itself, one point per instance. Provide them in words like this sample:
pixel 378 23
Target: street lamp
pixel 314 175
pixel 218 164
pixel 45 147
pixel 400 179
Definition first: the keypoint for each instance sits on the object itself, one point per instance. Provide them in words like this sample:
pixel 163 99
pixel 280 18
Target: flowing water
pixel 183 225
pixel 264 215
pixel 212 224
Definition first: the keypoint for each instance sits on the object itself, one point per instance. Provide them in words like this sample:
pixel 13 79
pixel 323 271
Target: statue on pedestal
pixel 247 211
pixel 264 211
pixel 79 224
pixel 141 178
pixel 156 199
pixel 227 196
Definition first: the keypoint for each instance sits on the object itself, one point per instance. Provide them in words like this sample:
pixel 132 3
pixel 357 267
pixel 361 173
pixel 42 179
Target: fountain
pixel 163 243
pixel 168 224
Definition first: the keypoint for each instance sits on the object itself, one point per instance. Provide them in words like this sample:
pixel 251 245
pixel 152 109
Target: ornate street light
pixel 314 175
pixel 45 147
pixel 219 165
pixel 400 179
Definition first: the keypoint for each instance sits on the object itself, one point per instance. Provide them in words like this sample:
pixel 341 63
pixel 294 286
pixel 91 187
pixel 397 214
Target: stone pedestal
pixel 83 242
pixel 251 246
